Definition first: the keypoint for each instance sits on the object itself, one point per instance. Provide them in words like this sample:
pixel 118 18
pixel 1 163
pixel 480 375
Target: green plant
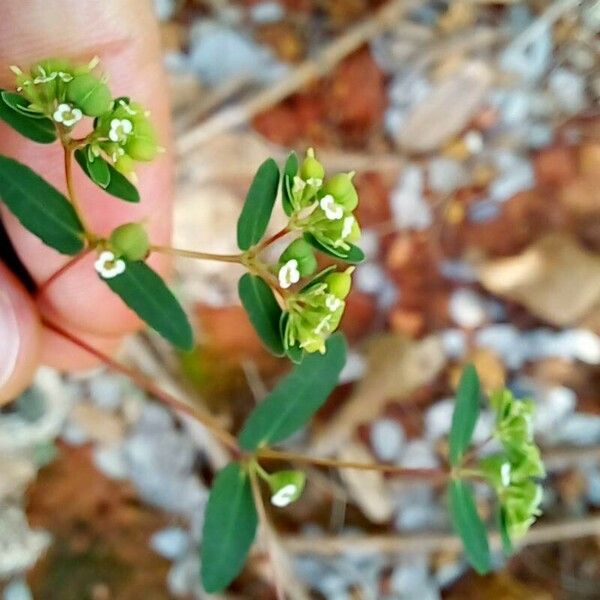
pixel 295 310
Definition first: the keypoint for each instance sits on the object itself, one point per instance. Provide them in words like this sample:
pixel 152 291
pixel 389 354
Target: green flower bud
pixel 304 254
pixel 90 94
pixel 312 170
pixel 497 470
pixel 130 241
pixel 44 84
pixel 521 503
pixel 339 284
pixel 340 186
pixel 141 144
pixel 526 463
pixel 286 487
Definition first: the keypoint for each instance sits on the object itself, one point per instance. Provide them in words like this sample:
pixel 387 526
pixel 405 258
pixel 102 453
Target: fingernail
pixel 10 340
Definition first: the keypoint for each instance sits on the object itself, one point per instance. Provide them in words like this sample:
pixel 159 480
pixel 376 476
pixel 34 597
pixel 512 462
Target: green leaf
pixel 258 206
pixel 20 104
pixel 289 171
pixel 507 546
pixel 40 208
pixel 147 295
pixel 264 312
pixel 39 130
pixel 468 525
pixel 355 255
pixel 465 414
pixel 229 528
pixel 118 185
pixel 296 398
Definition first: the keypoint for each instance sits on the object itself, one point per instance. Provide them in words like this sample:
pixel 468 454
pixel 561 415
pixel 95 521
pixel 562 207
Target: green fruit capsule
pixel 311 168
pixel 286 487
pixel 303 252
pixel 90 94
pixel 340 186
pixel 141 144
pixel 124 164
pixel 339 284
pixel 130 241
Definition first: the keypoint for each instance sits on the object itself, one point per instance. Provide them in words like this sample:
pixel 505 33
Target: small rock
pixel 409 574
pixel 484 211
pixel 110 461
pixel 354 368
pixel 511 181
pixel 458 270
pixel 505 341
pixel 410 210
pixel 580 430
pixel 106 391
pixel 17 590
pixel 438 418
pixel 467 308
pixel 593 486
pixel 568 89
pixel 267 12
pixel 553 407
pixel 387 439
pixel 369 278
pixel 445 175
pixel 419 454
pixel 369 243
pixel 171 543
pixel 454 342
pixel 529 60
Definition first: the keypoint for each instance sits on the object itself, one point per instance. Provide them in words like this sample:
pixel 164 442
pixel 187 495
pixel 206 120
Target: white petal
pixel 284 496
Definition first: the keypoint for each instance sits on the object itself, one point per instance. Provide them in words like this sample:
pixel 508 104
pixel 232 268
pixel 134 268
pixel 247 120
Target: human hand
pixel 124 35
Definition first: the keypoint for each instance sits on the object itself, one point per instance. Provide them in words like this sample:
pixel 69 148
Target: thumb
pixel 19 336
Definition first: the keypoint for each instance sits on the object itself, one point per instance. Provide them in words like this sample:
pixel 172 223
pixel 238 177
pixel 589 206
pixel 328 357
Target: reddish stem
pixel 151 388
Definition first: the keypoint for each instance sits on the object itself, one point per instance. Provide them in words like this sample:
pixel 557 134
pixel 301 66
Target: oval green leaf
pixel 99 170
pixel 263 311
pixel 40 208
pixel 355 255
pixel 258 206
pixel 20 104
pixel 39 130
pixel 148 296
pixel 296 398
pixel 469 526
pixel 466 412
pixel 229 528
pixel 289 172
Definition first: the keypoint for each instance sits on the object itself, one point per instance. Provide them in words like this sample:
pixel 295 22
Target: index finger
pixel 123 33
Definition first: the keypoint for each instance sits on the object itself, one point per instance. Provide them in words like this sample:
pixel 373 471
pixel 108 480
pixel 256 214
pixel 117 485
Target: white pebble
pixel 454 342
pixel 580 430
pixel 354 368
pixel 438 418
pixel 419 454
pixel 267 12
pixel 409 574
pixel 369 243
pixel 106 391
pixel 110 461
pixel 505 341
pixel 568 89
pixel 170 543
pixel 553 407
pixel 467 308
pixel 513 181
pixel 593 486
pixel 17 590
pixel 369 278
pixel 387 439
pixel 410 210
pixel 446 175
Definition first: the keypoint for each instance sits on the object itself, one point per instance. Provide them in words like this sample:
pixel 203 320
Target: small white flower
pixel 347 228
pixel 332 210
pixel 285 495
pixel 108 265
pixel 332 302
pixel 289 274
pixel 67 115
pixel 505 474
pixel 119 130
pixel 314 181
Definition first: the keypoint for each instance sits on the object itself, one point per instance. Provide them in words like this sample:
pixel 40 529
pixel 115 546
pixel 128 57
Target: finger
pixel 125 37
pixel 19 336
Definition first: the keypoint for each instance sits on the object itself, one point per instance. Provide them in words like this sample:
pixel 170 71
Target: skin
pixel 124 34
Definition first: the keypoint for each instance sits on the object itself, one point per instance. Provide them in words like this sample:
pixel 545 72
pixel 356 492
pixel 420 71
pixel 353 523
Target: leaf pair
pixel 230 520
pixel 49 215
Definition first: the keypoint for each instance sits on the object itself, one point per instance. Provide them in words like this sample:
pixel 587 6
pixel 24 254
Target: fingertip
pixel 20 334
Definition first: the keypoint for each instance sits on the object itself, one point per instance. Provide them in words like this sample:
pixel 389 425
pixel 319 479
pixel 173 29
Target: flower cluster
pixel 66 93
pixel 315 312
pixel 514 473
pixel 324 208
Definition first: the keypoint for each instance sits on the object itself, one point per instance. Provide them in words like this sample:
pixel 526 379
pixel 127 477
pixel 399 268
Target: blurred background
pixel 474 130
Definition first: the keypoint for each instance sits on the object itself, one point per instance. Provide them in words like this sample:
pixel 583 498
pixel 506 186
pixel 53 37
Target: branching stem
pixel 229 258
pixel 68 159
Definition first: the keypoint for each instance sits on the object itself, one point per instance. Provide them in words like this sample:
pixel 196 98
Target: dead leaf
pixel 447 109
pixel 555 278
pixel 366 488
pixel 397 366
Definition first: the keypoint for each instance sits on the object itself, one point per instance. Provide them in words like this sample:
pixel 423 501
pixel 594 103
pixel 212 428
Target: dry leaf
pixel 554 278
pixel 366 488
pixel 446 110
pixel 397 366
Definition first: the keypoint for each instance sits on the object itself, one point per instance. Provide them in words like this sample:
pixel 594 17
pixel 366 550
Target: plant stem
pixel 43 287
pixel 230 258
pixel 268 454
pixel 68 155
pixel 151 388
pixel 268 532
pixel 262 245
